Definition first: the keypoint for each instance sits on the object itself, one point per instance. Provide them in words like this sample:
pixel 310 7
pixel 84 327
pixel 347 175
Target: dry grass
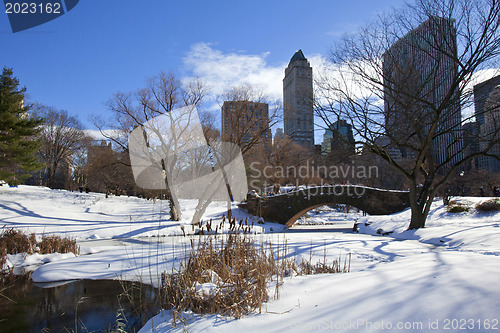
pixel 231 275
pixel 228 278
pixel 53 244
pixel 489 205
pixel 14 241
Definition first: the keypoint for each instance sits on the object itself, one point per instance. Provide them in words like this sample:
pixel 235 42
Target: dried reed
pixel 231 275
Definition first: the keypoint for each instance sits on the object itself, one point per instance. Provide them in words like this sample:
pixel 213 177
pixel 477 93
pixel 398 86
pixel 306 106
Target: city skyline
pixel 76 66
pixel 80 60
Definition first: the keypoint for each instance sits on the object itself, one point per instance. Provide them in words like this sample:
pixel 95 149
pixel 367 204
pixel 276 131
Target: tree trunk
pixel 420 203
pixel 174 214
pixel 50 177
pixel 229 210
pixel 173 202
pixel 417 219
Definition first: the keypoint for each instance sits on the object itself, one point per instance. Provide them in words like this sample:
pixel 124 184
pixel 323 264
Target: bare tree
pixel 80 161
pixel 107 170
pixel 162 94
pixel 248 117
pixel 208 122
pixel 402 82
pixel 287 155
pixel 62 136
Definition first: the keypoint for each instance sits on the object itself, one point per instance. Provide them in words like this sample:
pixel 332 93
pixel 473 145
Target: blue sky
pixel 77 62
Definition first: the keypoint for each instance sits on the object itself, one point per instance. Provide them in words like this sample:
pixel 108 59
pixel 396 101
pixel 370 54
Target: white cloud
pixel 225 70
pixel 97 135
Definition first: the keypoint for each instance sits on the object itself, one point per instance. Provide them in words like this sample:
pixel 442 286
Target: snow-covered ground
pixel 473 231
pixel 441 278
pixel 87 216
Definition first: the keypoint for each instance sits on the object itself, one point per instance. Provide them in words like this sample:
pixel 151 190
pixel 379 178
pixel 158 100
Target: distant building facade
pixel 298 101
pixel 244 122
pixel 279 135
pixel 486 104
pixel 396 153
pixel 326 145
pixel 481 93
pixel 96 149
pixel 489 130
pixel 338 138
pixel 471 144
pixel 419 71
pixel 343 138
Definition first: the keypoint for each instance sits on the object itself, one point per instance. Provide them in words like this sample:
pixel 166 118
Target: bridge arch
pixel 286 208
pixel 297 216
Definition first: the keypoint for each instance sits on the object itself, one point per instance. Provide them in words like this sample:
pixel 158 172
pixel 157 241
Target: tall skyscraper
pixel 298 101
pixel 245 122
pixel 489 131
pixel 481 93
pixel 487 113
pixel 419 70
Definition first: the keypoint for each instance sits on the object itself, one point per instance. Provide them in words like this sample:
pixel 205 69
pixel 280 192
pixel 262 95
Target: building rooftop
pixel 298 56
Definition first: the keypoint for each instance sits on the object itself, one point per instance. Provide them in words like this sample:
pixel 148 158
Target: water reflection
pixel 78 306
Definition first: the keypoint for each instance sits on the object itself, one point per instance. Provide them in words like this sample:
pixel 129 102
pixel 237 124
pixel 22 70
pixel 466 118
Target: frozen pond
pixel 75 306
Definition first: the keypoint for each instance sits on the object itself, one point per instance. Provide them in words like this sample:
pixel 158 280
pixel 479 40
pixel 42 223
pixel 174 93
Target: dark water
pixel 79 306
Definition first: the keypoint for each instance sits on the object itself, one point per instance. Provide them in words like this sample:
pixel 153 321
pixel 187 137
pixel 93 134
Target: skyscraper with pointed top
pixel 298 101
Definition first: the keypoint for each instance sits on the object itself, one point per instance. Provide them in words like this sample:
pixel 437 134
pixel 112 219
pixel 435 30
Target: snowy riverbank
pixel 440 278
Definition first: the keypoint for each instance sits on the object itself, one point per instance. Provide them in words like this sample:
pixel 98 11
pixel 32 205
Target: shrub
pixel 457 207
pixel 489 205
pixel 13 241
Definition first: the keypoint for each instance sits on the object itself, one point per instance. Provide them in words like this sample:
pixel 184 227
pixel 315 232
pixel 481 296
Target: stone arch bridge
pixel 286 208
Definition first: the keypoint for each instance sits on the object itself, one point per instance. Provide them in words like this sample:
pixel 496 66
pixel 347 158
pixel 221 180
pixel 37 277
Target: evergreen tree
pixel 18 132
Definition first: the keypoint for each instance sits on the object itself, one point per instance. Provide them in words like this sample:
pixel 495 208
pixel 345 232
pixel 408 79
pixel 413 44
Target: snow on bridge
pixel 286 208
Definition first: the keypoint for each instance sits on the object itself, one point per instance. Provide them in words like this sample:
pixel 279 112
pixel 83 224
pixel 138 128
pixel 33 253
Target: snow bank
pixel 471 231
pixel 22 263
